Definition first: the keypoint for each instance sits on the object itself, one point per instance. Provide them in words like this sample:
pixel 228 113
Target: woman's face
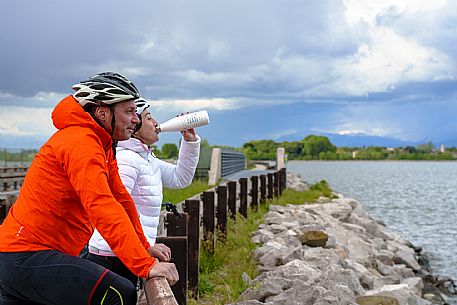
pixel 147 133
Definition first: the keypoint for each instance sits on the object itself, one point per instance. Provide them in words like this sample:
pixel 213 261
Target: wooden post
pixel 178 246
pixel 176 240
pixel 192 207
pixel 10 200
pixel 275 184
pixel 279 182
pixel 2 210
pixel 270 185
pixel 222 212
pixel 284 178
pixel 208 221
pixel 244 197
pixel 232 198
pixel 176 226
pixel 158 292
pixel 254 192
pixel 263 189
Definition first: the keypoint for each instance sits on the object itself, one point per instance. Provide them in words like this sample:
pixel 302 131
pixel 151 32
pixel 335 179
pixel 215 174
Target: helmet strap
pixel 113 125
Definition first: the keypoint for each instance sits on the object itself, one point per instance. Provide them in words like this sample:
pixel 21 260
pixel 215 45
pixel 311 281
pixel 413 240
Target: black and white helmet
pixel 105 89
pixel 141 105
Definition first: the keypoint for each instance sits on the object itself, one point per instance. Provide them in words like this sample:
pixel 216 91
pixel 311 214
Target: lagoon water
pixel 417 199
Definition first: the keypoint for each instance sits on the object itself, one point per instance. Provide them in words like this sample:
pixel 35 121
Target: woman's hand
pixel 189 135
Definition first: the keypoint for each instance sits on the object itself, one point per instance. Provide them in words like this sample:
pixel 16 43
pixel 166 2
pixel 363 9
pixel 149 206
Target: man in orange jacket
pixel 72 187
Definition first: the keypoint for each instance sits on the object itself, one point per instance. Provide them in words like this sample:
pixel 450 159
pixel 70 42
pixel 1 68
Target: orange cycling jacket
pixel 72 186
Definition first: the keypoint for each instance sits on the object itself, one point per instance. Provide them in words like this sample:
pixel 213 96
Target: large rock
pixel 401 292
pixel 335 275
pixel 358 249
pixel 269 255
pixel 415 284
pixel 262 236
pixel 297 269
pixel 300 294
pixel 248 302
pixel 332 254
pixel 377 300
pixel 267 287
pixel 314 238
pixel 407 258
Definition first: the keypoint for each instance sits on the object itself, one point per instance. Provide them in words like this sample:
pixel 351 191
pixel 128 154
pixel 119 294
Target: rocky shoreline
pixel 333 252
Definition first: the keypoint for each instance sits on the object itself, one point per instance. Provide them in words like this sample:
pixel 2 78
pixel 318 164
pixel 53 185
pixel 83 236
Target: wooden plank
pixel 275 184
pixel 221 213
pixel 158 292
pixel 192 208
pixel 243 197
pixel 176 226
pixel 254 192
pixel 284 178
pixel 209 221
pixel 270 185
pixel 2 210
pixel 263 189
pixel 178 246
pixel 279 183
pixel 232 199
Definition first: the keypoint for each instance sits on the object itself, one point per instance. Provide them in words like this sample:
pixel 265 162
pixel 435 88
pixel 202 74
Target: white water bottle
pixel 187 121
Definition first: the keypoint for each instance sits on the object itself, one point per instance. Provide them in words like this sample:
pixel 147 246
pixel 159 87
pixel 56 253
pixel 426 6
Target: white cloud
pixel 22 121
pixel 218 49
pixel 39 100
pixel 368 11
pixel 390 60
pixel 385 57
pixel 180 105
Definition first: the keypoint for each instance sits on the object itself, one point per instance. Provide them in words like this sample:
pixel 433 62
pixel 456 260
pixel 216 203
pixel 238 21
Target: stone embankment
pixel 333 252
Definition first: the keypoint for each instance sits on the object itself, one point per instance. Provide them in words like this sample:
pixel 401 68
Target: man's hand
pixel 166 270
pixel 160 251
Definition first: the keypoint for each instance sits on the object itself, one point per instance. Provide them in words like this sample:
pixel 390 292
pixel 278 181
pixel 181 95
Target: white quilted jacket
pixel 144 176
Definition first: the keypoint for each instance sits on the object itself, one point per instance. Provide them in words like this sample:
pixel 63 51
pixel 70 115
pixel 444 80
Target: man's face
pixel 125 120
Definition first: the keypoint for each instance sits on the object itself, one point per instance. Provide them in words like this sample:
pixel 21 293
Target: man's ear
pixel 102 113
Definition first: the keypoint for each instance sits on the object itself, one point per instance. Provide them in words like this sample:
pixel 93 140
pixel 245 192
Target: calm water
pixel 415 199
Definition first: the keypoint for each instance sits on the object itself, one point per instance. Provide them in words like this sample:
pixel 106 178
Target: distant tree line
pixel 315 147
pixel 16 155
pixel 312 147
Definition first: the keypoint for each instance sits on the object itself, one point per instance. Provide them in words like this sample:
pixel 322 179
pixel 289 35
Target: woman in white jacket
pixel 144 176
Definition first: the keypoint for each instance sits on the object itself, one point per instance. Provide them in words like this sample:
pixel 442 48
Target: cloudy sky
pixel 374 71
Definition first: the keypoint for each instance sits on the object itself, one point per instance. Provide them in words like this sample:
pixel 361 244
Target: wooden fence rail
pixel 207 221
pixel 11 178
pixel 204 218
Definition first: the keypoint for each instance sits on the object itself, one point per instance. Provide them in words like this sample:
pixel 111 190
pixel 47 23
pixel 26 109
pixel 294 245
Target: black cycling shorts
pixel 51 277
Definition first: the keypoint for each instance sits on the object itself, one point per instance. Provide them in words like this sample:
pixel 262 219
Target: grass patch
pixel 178 195
pixel 221 273
pixel 317 190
